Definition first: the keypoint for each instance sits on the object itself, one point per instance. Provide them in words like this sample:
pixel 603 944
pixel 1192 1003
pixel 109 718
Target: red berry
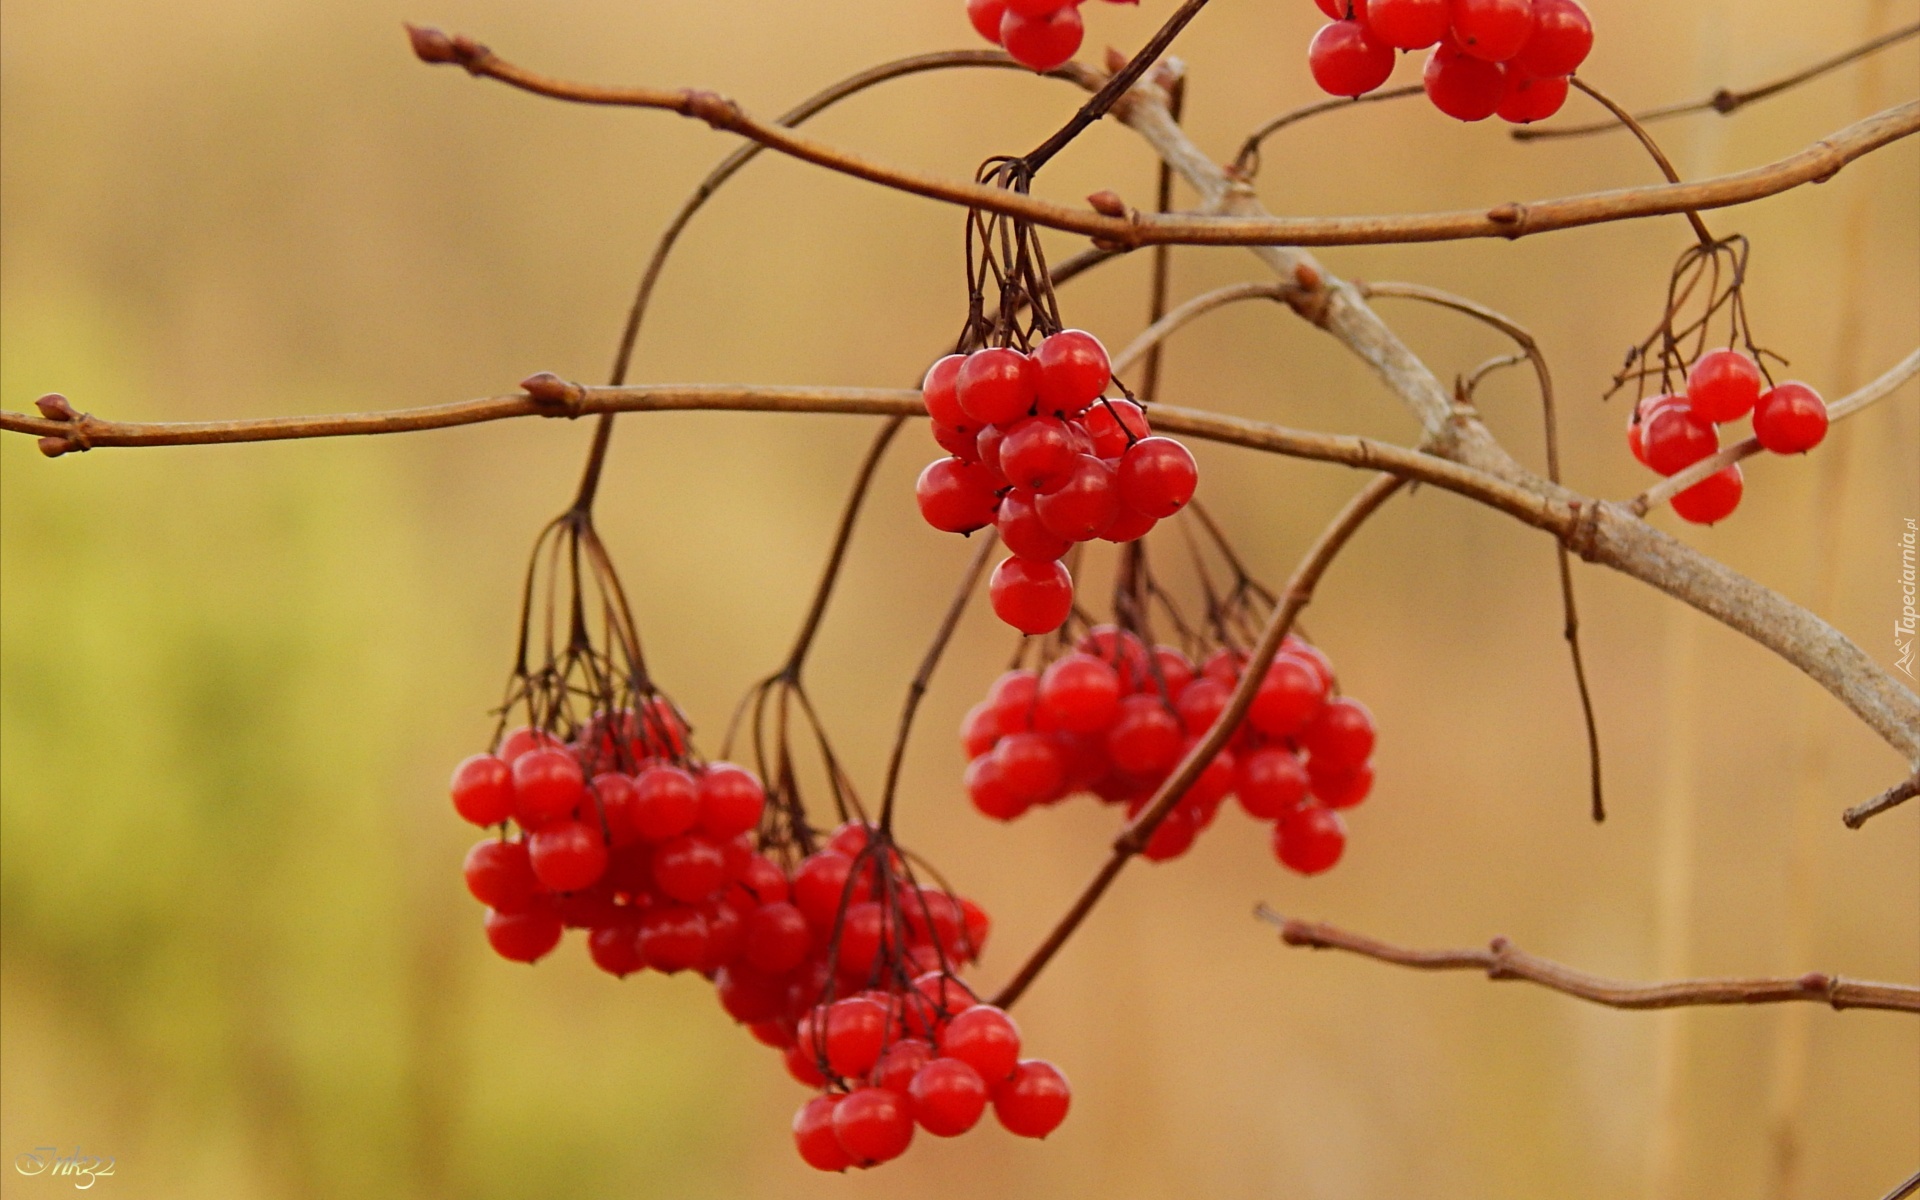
pixel 1530 98
pixel 1015 696
pixel 948 1097
pixel 989 792
pixel 1130 526
pixel 1202 703
pixel 955 496
pixel 1790 419
pixel 979 730
pixel 524 739
pixel 1642 413
pixel 500 875
pixel 1114 425
pixel 986 447
pixel 799 1061
pixel 996 386
pixel 1074 369
pixel 1031 766
pixel 1157 476
pixel 814 1137
pixel 1562 36
pixel 755 1001
pixel 777 939
pixel 937 390
pixel 1031 596
pixel 1021 529
pixel 1408 24
pixel 1081 693
pixel 1146 737
pixel 689 868
pixel 1712 499
pixel 614 946
pixel 1340 734
pixel 1288 697
pixel 856 1031
pixel 1038 454
pixel 1035 1101
pixel 899 1063
pixel 1082 507
pixel 616 797
pixel 1339 786
pixel 567 855
pixel 1723 386
pixel 524 936
pixel 672 937
pixel 1674 441
pixel 1271 782
pixel 1348 60
pixel 547 785
pixel 1346 10
pixel 985 1038
pixel 819 885
pixel 731 800
pixel 873 1125
pixel 1172 837
pixel 666 802
pixel 1492 30
pixel 961 441
pixel 483 789
pixel 1310 839
pixel 1461 86
pixel 1042 43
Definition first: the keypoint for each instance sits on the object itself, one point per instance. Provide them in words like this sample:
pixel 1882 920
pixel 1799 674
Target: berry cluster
pixel 1039 453
pixel 1113 719
pixel 1505 57
pixel 1673 431
pixel 1042 34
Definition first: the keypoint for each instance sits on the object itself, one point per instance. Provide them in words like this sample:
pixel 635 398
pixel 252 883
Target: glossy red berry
pixel 856 1032
pixel 1643 412
pixel 1114 425
pixel 1310 839
pixel 567 855
pixel 1074 369
pixel 1289 697
pixel 996 386
pixel 1173 837
pixel 937 392
pixel 1461 86
pixel 1348 60
pixel 1723 386
pixel 1340 733
pixel 1022 530
pixel 873 1125
pixel 814 1137
pixel 961 441
pixel 1674 440
pixel 1492 30
pixel 1146 737
pixel 948 1097
pixel 989 792
pixel 1130 525
pixel 1790 419
pixel 1030 595
pixel 524 936
pixel 523 739
pixel 1042 43
pixel 777 939
pixel 500 875
pixel 731 801
pixel 689 868
pixel 1713 499
pixel 1157 476
pixel 1562 37
pixel 1408 24
pixel 483 789
pixel 673 937
pixel 955 496
pixel 547 785
pixel 1201 704
pixel 666 802
pixel 1034 1102
pixel 1271 782
pixel 1082 507
pixel 1081 693
pixel 1031 766
pixel 899 1063
pixel 986 1039
pixel 1339 786
pixel 1038 454
pixel 819 885
pixel 1530 98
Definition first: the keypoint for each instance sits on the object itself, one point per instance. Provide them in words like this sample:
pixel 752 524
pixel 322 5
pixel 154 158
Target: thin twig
pixel 1115 88
pixel 1166 326
pixel 1724 102
pixel 1246 163
pixel 1902 1190
pixel 1503 960
pixel 1162 280
pixel 1893 797
pixel 1653 149
pixel 1133 838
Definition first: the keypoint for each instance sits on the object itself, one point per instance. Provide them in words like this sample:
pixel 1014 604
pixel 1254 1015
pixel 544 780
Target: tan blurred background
pixel 237 954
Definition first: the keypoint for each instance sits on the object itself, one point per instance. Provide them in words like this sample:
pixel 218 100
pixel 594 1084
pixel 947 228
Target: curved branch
pixel 1185 314
pixel 1504 960
pixel 1893 797
pixel 1511 220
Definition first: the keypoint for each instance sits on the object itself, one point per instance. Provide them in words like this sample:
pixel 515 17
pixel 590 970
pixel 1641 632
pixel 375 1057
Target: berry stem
pixel 1659 156
pixel 1115 87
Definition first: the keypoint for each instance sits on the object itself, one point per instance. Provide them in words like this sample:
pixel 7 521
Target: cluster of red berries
pixel 1039 453
pixel 1113 719
pixel 1673 431
pixel 1041 34
pixel 1505 57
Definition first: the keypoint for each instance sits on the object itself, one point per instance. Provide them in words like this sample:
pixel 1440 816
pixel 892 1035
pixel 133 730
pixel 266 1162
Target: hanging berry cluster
pixel 1674 429
pixel 1037 449
pixel 1042 34
pixel 1505 57
pixel 1113 713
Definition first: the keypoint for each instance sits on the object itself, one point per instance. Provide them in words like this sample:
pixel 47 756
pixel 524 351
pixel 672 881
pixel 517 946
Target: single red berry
pixel 615 796
pixel 1674 440
pixel 955 496
pixel 666 802
pixel 777 939
pixel 1562 37
pixel 1288 697
pixel 1530 98
pixel 1310 839
pixel 862 933
pixel 1031 596
pixel 547 785
pixel 1339 785
pixel 1348 60
pixel 1157 476
pixel 961 441
pixel 814 1137
pixel 1146 737
pixel 856 1032
pixel 801 1065
pixel 899 1063
pixel 1713 499
pixel 1723 386
pixel 1172 837
pixel 1170 669
pixel 567 855
pixel 948 1097
pixel 689 868
pixel 1073 365
pixel 1015 696
pixel 873 1125
pixel 985 1038
pixel 1271 782
pixel 1340 734
pixel 500 875
pixel 673 937
pixel 1461 86
pixel 1081 508
pixel 820 884
pixel 1114 425
pixel 1042 43
pixel 614 946
pixel 523 739
pixel 1642 413
pixel 1034 1102
pixel 941 998
pixel 731 800
pixel 1038 454
pixel 979 730
pixel 524 936
pixel 755 1001
pixel 996 386
pixel 989 792
pixel 1201 704
pixel 1408 24
pixel 1492 30
pixel 1031 766
pixel 1022 530
pixel 1129 526
pixel 483 789
pixel 1081 693
pixel 1790 419
pixel 937 391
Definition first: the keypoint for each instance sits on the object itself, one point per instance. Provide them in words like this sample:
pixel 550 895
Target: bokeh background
pixel 235 952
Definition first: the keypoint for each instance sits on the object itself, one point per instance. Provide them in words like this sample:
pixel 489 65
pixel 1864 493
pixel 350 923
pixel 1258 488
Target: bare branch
pixel 1893 797
pixel 1503 960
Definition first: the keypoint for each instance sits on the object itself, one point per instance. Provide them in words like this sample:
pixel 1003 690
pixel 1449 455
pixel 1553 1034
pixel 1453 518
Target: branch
pixel 1511 220
pixel 1503 960
pixel 1839 410
pixel 1893 797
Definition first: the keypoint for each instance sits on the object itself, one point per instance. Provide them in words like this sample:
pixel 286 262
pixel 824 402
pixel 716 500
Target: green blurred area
pixel 235 952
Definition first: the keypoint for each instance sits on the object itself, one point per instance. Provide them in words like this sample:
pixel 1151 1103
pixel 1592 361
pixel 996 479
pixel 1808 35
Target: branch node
pixel 1309 296
pixel 549 391
pixel 1511 217
pixel 54 407
pixel 1583 533
pixel 713 108
pixel 1108 203
pixel 1724 101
